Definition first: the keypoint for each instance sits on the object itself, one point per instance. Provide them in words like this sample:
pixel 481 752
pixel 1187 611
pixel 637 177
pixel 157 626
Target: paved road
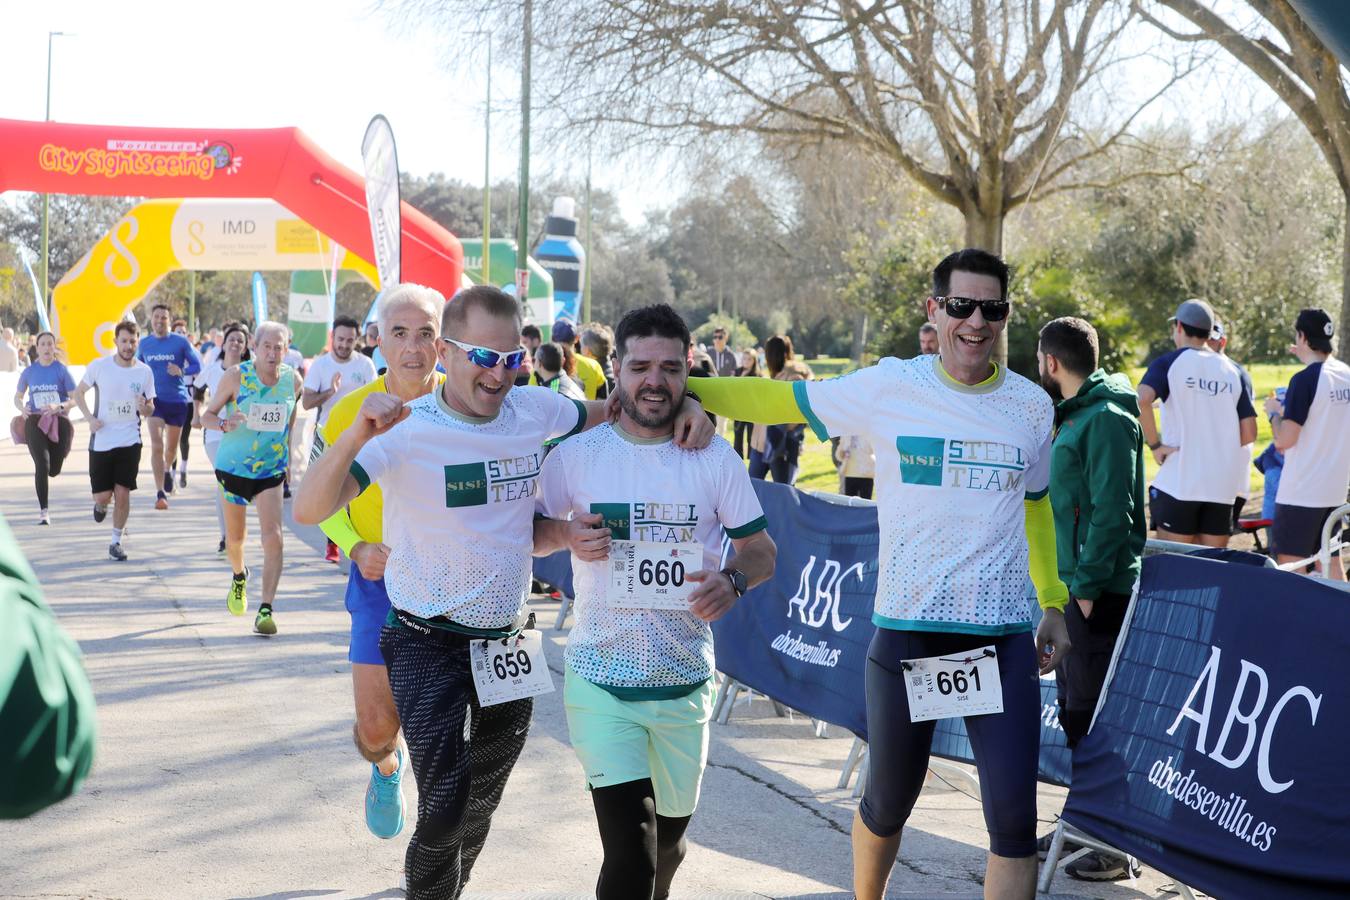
pixel 225 766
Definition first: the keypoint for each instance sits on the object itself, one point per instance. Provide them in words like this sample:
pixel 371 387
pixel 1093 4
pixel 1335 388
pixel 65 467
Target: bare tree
pixel 1293 61
pixel 986 105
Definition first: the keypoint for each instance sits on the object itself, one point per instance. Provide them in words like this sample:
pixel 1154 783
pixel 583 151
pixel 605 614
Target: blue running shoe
pixel 384 800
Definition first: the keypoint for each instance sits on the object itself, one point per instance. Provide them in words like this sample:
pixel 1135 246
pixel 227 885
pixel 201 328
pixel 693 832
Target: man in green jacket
pixel 1097 494
pixel 46 702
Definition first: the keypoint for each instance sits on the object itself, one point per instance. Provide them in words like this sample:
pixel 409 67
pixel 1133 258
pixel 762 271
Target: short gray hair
pixel 408 294
pixel 270 325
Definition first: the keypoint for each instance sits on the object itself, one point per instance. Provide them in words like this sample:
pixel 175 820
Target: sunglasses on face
pixel 964 308
pixel 487 358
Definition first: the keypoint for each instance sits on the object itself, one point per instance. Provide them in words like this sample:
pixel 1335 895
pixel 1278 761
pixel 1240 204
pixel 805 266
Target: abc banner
pixel 1219 754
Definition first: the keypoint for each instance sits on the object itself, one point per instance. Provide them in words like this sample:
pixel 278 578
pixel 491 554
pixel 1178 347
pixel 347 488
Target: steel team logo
pixel 959 463
pixel 648 521
pixel 492 481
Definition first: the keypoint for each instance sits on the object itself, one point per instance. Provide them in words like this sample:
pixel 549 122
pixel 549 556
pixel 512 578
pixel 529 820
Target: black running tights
pixel 642 849
pixel 48 455
pixel 461 772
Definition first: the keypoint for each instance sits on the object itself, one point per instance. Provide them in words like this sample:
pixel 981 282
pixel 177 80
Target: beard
pixel 630 406
pixel 1051 387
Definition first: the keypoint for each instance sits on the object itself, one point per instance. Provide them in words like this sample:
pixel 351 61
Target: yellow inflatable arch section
pixel 161 236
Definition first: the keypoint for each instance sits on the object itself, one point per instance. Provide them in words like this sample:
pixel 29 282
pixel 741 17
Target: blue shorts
pixel 368 602
pixel 175 413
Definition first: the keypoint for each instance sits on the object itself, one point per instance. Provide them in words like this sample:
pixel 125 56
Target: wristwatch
pixel 739 584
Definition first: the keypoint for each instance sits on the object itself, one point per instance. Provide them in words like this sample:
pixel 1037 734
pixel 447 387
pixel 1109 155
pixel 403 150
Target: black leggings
pixel 642 849
pixel 185 440
pixel 460 777
pixel 48 455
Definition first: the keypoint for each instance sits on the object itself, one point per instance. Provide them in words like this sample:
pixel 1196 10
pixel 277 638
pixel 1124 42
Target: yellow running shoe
pixel 236 601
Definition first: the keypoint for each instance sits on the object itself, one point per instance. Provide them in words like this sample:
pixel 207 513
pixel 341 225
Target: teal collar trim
pixel 454 414
pixel 800 394
pixel 988 386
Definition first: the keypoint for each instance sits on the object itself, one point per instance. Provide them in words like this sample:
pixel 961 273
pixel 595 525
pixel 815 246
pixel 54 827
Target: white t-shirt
pixel 356 372
pixel 209 377
pixel 459 503
pixel 953 466
pixel 1203 398
pixel 1317 469
pixel 117 390
pixel 647 490
pixel 858 459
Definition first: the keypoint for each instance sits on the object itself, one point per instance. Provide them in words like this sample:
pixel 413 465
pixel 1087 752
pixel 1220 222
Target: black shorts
pixel 1298 530
pixel 114 468
pixel 240 490
pixel 1189 517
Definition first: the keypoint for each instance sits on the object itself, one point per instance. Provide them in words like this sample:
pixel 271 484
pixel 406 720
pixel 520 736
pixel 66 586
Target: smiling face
pixel 651 382
pixel 469 388
pixel 46 347
pixel 409 347
pixel 232 351
pixel 966 345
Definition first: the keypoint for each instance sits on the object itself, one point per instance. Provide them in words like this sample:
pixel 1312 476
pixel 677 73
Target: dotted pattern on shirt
pixel 957 565
pixel 640 647
pixel 481 583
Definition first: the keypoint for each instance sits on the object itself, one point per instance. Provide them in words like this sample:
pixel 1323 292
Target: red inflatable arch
pixel 277 163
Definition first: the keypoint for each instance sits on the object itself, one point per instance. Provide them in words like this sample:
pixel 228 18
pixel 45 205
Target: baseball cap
pixel 564 331
pixel 1315 323
pixel 1195 313
pixel 1216 333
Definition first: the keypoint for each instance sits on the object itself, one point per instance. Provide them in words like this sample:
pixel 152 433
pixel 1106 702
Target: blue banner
pixel 259 300
pixel 1219 753
pixel 43 323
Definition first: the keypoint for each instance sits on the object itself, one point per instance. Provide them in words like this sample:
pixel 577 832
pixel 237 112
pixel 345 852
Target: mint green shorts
pixel 618 741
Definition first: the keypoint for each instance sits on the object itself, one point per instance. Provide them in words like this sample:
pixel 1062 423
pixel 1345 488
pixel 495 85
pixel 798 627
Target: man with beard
pixel 124 393
pixel 458 469
pixel 1097 493
pixel 333 376
pixel 639 688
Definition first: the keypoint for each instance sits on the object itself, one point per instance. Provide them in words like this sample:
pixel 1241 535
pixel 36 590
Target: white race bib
pixel 511 669
pixel 267 416
pixel 119 411
pixel 652 575
pixel 959 684
pixel 43 399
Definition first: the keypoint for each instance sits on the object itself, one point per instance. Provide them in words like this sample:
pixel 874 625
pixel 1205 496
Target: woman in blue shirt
pixel 46 428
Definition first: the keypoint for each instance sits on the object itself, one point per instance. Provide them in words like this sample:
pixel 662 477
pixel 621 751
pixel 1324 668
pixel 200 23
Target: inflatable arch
pixel 280 164
pixel 161 236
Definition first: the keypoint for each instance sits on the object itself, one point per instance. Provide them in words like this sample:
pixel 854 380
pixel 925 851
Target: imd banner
pixel 1219 754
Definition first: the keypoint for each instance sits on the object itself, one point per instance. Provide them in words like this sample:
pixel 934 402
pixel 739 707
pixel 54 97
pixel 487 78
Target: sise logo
pixel 1206 686
pixel 817 597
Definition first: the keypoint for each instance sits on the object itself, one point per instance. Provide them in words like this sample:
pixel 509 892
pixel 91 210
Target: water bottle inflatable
pixel 562 256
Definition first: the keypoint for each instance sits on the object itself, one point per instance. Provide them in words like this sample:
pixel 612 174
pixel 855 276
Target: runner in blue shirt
pixel 46 428
pixel 172 359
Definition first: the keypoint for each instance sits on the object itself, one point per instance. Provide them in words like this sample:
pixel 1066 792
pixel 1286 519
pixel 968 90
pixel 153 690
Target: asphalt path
pixel 225 767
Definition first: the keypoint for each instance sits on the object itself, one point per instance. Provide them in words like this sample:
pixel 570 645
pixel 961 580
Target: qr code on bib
pixel 619 565
pixel 916 680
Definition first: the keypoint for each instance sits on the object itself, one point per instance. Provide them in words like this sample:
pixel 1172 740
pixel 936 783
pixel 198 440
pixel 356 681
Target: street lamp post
pixel 487 168
pixel 523 203
pixel 46 294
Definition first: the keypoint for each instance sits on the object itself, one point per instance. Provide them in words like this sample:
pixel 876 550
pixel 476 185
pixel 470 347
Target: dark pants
pixel 460 778
pixel 1082 673
pixel 48 455
pixel 858 487
pixel 642 849
pixel 741 433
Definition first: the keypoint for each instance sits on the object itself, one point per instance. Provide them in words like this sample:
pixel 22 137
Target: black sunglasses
pixel 964 308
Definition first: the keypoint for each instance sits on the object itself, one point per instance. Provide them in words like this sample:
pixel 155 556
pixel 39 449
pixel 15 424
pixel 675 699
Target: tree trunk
pixel 859 338
pixel 1344 329
pixel 986 232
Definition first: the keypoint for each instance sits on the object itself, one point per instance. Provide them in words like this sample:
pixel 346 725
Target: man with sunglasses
pixel 963 460
pixel 458 469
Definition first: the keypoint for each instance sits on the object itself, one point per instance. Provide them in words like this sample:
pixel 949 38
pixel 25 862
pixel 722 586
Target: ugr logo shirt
pixel 459 497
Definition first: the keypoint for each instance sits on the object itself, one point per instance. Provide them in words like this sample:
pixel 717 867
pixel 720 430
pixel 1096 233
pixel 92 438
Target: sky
pixel 325 67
